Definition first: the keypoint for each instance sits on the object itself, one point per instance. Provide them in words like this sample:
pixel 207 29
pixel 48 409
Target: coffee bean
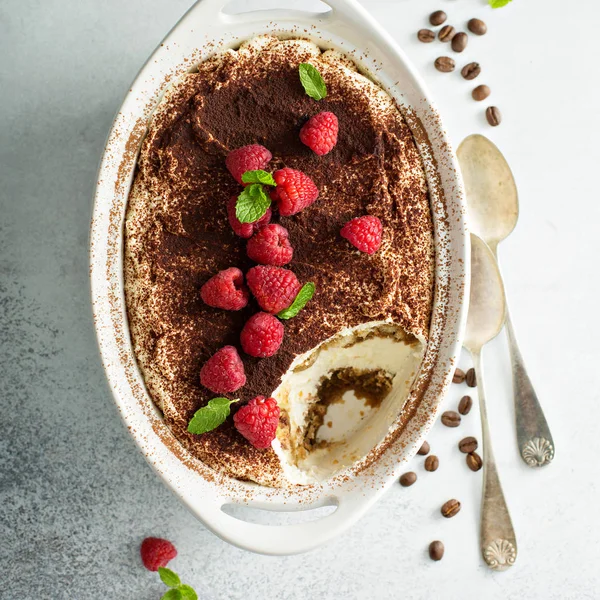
pixel 446 33
pixel 426 36
pixel 459 376
pixel 465 405
pixel 471 70
pixel 450 508
pixel 451 418
pixel 438 17
pixel 445 64
pixel 408 479
pixel 459 41
pixel 494 118
pixel 481 92
pixel 436 550
pixel 468 445
pixel 432 462
pixel 471 377
pixel 477 26
pixel 424 449
pixel 474 461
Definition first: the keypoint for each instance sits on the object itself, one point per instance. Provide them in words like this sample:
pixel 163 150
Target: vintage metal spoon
pixel 493 212
pixel 487 310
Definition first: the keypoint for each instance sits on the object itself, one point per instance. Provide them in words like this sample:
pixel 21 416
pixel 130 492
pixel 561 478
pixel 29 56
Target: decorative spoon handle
pixel 533 434
pixel 498 540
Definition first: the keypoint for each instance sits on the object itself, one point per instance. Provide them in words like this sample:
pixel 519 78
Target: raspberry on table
pixel 262 335
pixel 270 246
pixel 257 421
pixel 320 133
pixel 226 290
pixel 363 233
pixel 156 552
pixel 245 230
pixel 223 372
pixel 295 191
pixel 247 158
pixel 273 287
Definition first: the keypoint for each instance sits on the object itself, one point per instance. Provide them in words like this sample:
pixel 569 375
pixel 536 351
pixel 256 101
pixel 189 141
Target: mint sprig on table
pixel 258 176
pixel 252 203
pixel 312 82
pixel 498 3
pixel 212 415
pixel 300 301
pixel 178 591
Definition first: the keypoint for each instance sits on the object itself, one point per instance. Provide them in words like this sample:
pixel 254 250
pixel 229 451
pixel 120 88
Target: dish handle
pixel 214 8
pixel 280 540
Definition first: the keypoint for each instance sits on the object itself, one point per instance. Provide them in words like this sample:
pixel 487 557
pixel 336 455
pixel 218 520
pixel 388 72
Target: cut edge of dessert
pixel 338 400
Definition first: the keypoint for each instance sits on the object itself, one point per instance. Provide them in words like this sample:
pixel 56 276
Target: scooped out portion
pixel 338 400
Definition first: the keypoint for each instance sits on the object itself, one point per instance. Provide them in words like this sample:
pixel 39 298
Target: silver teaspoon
pixel 493 206
pixel 487 308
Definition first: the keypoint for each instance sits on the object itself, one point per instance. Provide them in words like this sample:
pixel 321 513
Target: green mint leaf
pixel 312 82
pixel 498 3
pixel 187 592
pixel 304 295
pixel 168 577
pixel 252 204
pixel 258 176
pixel 173 594
pixel 209 417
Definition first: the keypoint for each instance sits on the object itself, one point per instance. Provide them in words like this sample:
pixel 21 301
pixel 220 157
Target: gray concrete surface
pixel 76 496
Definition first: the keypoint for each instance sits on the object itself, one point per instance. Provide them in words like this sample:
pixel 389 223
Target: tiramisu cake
pixel 279 262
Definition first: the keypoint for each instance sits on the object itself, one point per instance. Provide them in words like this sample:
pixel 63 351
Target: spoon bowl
pixel 490 189
pixel 487 304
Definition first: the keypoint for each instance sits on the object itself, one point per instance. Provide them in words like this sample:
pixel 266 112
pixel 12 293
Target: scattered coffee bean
pixel 451 418
pixel 477 26
pixel 459 376
pixel 426 36
pixel 445 64
pixel 424 449
pixel 438 17
pixel 471 377
pixel 432 462
pixel 408 479
pixel 481 92
pixel 459 41
pixel 446 33
pixel 465 405
pixel 450 508
pixel 494 118
pixel 436 550
pixel 468 445
pixel 474 461
pixel 471 70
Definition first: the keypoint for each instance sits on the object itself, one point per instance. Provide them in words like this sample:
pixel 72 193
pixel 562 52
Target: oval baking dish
pixel 204 30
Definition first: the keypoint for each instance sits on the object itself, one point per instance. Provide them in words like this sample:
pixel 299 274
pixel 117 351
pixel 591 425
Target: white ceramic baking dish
pixel 204 30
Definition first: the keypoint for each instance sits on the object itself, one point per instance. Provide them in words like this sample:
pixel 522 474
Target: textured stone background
pixel 76 497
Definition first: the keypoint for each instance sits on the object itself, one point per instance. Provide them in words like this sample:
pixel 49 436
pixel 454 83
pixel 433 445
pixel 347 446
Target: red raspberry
pixel 295 190
pixel 245 230
pixel 156 552
pixel 223 372
pixel 258 420
pixel 273 287
pixel 320 133
pixel 270 246
pixel 262 335
pixel 226 290
pixel 247 158
pixel 364 233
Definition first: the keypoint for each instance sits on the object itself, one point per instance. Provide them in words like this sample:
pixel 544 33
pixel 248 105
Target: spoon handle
pixel 498 540
pixel 533 434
